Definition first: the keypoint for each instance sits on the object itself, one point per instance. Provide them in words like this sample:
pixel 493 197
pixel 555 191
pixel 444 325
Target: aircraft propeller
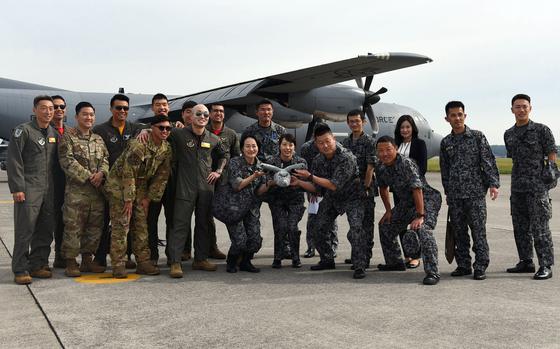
pixel 370 98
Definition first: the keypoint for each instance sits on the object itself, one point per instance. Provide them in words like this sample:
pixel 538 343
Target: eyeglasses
pixel 121 107
pixel 59 106
pixel 199 114
pixel 165 128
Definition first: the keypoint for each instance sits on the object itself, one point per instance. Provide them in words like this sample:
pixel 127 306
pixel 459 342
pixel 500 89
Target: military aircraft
pixel 300 97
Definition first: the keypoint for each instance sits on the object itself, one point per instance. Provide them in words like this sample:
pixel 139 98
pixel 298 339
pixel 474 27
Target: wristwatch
pixel 420 215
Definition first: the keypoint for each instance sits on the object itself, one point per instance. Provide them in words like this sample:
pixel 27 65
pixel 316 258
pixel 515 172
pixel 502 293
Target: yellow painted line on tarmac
pixel 6 201
pixel 104 278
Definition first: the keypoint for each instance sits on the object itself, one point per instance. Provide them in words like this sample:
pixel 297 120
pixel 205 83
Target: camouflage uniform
pixel 81 156
pixel 342 171
pixel 531 207
pixel 245 235
pixel 468 169
pixel 268 137
pixel 287 207
pixel 364 150
pixel 309 151
pixel 402 177
pixel 140 172
pixel 193 158
pixel 30 164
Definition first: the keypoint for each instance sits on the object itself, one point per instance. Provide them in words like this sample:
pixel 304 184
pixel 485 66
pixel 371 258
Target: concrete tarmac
pixel 289 308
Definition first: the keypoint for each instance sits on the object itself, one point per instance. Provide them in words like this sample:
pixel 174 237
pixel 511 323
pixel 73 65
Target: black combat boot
pixel 231 261
pixel 294 241
pixel 246 264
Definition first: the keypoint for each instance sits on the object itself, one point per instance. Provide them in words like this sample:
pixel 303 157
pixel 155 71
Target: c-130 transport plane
pixel 301 97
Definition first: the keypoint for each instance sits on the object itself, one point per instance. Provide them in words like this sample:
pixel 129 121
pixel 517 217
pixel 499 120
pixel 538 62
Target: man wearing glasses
pixel 194 150
pixel 59 182
pixel 137 178
pixel 116 132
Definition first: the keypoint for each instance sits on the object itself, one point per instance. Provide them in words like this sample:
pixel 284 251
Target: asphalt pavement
pixel 289 308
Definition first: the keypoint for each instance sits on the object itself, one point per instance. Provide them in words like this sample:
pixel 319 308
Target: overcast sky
pixel 484 51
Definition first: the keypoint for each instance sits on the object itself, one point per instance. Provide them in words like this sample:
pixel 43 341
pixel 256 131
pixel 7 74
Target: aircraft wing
pixel 304 79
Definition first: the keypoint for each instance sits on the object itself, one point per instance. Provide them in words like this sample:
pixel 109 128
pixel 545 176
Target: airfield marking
pixel 104 278
pixel 6 201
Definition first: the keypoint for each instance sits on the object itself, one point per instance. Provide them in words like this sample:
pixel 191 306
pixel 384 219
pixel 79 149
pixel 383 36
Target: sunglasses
pixel 165 128
pixel 121 107
pixel 59 106
pixel 199 114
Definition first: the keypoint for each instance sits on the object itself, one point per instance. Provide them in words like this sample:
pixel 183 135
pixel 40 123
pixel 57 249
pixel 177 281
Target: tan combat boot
pixel 147 268
pixel 186 256
pixel 216 253
pixel 72 269
pixel 42 273
pixel 176 271
pixel 87 265
pixel 204 265
pixel 23 279
pixel 119 272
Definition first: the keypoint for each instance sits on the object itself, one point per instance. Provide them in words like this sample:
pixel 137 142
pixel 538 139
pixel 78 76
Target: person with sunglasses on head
pixel 59 182
pixel 196 151
pixel 138 177
pixel 116 133
pixel 31 158
pixel 85 161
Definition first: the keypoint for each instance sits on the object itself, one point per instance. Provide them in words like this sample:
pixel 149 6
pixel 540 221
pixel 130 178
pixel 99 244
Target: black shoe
pixel 296 263
pixel 543 273
pixel 392 267
pixel 102 260
pixel 359 274
pixel 246 264
pixel 479 275
pixel 523 267
pixel 348 261
pixel 277 264
pixel 354 268
pixel 431 279
pixel 461 271
pixel 309 253
pixel 323 265
pixel 231 261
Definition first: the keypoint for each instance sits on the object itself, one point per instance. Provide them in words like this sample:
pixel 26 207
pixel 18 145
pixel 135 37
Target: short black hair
pixel 288 137
pixel 521 96
pixel 454 104
pixel 386 139
pixel 245 137
pixel 263 102
pixel 355 112
pixel 119 97
pixel 58 97
pixel 159 96
pixel 81 105
pixel 187 105
pixel 321 129
pixel 398 138
pixel 39 98
pixel 209 106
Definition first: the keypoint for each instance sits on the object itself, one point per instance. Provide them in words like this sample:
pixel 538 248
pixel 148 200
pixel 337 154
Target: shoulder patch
pixel 17 132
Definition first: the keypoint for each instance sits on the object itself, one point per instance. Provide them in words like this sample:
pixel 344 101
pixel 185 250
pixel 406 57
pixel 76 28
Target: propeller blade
pixel 359 83
pixel 381 91
pixel 372 119
pixel 369 80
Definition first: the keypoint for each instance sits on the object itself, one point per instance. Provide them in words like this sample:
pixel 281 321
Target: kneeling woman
pixel 245 177
pixel 286 204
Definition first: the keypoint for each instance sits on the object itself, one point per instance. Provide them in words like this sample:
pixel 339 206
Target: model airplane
pixel 300 97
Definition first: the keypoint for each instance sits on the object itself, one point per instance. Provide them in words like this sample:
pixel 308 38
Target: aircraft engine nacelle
pixel 330 102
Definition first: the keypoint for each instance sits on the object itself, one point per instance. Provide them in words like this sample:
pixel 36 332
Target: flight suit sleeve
pixel 15 165
pixel 71 167
pixel 159 182
pixel 488 164
pixel 133 160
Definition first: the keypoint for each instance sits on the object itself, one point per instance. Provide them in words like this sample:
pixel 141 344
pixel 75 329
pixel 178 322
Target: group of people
pixel 101 189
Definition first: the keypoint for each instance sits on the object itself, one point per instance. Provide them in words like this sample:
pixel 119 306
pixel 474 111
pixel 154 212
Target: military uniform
pixel 268 137
pixel 193 161
pixel 81 156
pixel 59 187
pixel 31 159
pixel 140 172
pixel 468 169
pixel 342 171
pixel 531 207
pixel 115 143
pixel 309 151
pixel 287 207
pixel 403 176
pixel 364 150
pixel 245 235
